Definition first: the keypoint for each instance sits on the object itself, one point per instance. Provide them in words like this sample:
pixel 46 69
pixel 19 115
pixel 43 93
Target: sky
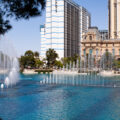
pixel 25 34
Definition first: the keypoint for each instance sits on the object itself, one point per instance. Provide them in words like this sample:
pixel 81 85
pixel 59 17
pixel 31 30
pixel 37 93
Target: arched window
pixel 90 51
pixel 90 37
pixel 96 52
pixel 84 52
pixel 113 52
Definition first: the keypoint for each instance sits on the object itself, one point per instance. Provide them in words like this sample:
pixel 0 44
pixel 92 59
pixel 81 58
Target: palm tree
pixel 29 53
pixel 36 54
pixel 51 57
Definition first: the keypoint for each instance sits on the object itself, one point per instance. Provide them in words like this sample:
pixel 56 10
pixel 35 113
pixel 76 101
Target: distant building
pixel 66 21
pixel 114 19
pixel 94 45
pixel 96 42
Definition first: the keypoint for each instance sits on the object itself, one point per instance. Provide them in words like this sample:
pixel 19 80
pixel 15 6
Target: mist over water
pixel 9 65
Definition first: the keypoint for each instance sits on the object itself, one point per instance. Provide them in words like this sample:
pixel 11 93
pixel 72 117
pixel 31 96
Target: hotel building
pixel 66 21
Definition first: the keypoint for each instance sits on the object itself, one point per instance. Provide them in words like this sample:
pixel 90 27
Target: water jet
pixel 9 66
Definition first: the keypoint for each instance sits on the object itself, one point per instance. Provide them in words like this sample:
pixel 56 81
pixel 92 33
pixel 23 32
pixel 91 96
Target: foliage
pixel 75 58
pixel 64 60
pixel 29 60
pixel 67 60
pixel 29 53
pixel 36 54
pixel 116 64
pixel 18 9
pixel 58 64
pixel 38 63
pixel 4 25
pixel 51 57
pixel 22 61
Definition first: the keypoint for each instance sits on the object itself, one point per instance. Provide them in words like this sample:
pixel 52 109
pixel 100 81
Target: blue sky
pixel 25 35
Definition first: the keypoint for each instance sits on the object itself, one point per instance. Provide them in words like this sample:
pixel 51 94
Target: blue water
pixel 70 98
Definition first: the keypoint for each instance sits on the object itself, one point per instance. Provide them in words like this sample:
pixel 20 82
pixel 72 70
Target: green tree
pixel 22 61
pixel 38 63
pixel 51 57
pixel 116 64
pixel 27 60
pixel 18 9
pixel 4 25
pixel 29 53
pixel 36 54
pixel 67 60
pixel 64 60
pixel 58 64
pixel 75 58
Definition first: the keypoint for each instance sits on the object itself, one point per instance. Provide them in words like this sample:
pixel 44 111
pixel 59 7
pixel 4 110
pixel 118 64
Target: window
pixel 113 52
pixel 90 51
pixel 56 5
pixel 90 37
pixel 115 34
pixel 96 52
pixel 84 52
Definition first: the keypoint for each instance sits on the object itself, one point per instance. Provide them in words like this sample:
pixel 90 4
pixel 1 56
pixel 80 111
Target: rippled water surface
pixel 61 97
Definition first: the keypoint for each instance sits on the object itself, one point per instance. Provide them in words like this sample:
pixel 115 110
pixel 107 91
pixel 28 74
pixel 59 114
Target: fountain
pixel 88 70
pixel 9 66
pixel 106 65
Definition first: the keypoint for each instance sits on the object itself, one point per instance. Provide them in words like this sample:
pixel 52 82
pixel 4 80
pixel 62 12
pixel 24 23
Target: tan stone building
pixel 97 43
pixel 93 44
pixel 114 19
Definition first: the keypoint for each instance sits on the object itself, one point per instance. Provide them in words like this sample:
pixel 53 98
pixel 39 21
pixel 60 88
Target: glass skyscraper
pixel 65 23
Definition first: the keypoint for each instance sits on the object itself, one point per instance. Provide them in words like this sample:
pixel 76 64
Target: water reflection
pixel 81 80
pixel 61 97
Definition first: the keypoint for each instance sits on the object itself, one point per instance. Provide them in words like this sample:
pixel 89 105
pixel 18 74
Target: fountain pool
pixel 61 97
